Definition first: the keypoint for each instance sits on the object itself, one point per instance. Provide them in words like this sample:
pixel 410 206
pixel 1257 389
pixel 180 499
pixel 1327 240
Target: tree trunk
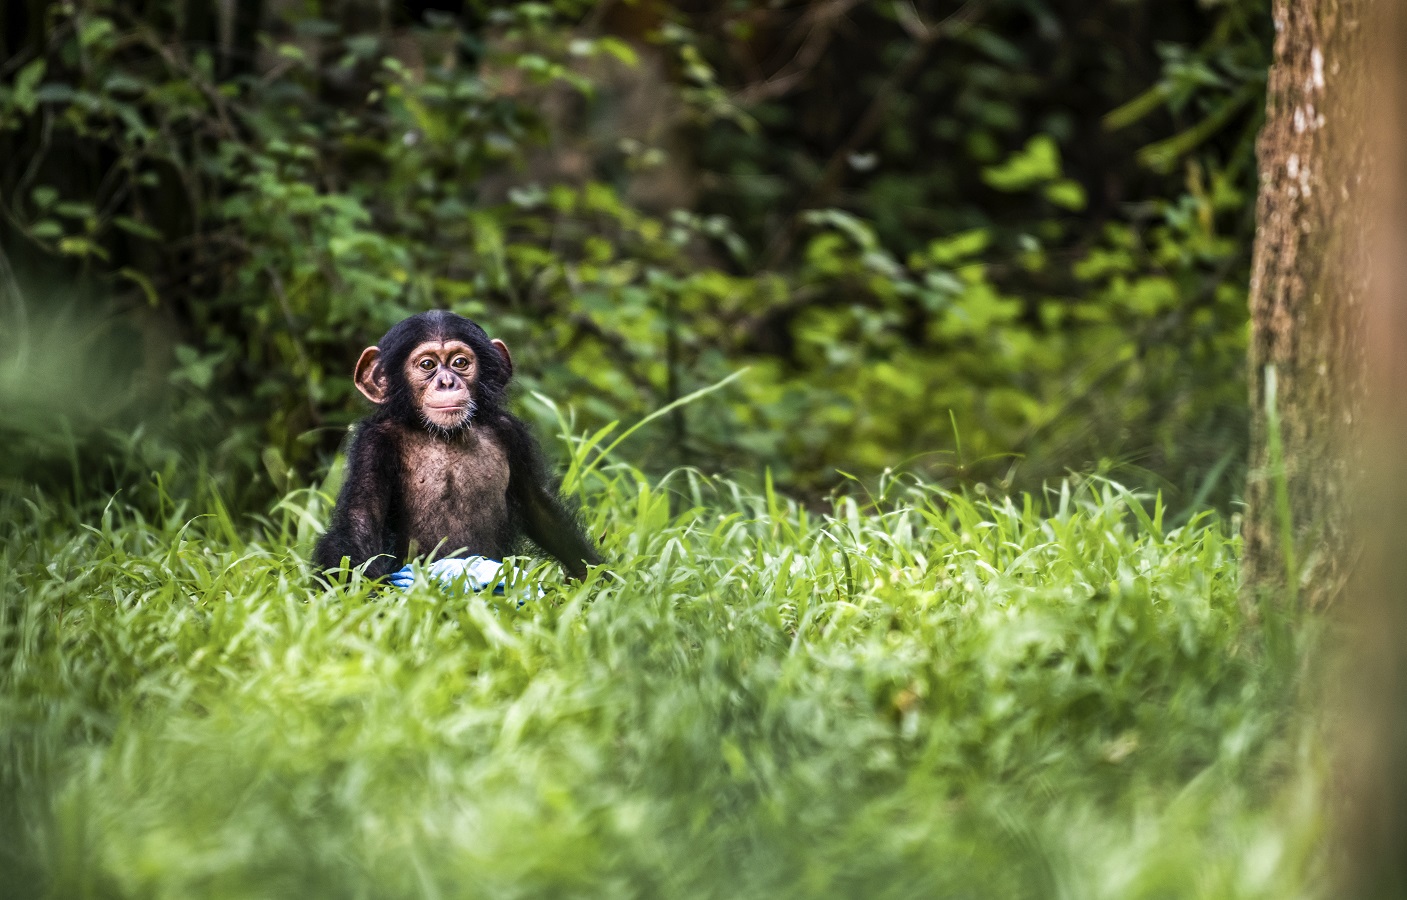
pixel 1329 331
pixel 1368 795
pixel 1308 286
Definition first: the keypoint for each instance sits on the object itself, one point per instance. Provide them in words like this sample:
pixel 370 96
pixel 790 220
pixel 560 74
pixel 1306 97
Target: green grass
pixel 927 695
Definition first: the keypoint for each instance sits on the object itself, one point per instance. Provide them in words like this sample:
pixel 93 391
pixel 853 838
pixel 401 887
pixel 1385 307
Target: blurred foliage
pixel 986 241
pixel 76 395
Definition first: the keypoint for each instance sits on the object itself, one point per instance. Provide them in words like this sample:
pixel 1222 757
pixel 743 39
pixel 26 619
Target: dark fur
pixel 411 492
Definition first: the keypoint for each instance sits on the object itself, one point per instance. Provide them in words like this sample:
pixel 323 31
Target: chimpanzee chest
pixel 456 495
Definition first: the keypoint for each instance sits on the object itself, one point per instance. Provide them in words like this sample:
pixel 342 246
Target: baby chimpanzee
pixel 441 466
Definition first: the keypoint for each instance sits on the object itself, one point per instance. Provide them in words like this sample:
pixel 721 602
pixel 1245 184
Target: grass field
pixel 915 695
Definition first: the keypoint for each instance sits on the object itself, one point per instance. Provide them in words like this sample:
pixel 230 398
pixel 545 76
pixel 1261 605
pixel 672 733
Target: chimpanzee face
pixel 442 375
pixel 436 371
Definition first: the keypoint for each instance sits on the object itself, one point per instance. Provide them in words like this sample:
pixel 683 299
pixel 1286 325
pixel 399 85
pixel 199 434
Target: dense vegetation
pixel 990 241
pixel 918 695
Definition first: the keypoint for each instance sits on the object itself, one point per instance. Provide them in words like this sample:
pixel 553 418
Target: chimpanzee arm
pixel 552 527
pixel 544 518
pixel 360 530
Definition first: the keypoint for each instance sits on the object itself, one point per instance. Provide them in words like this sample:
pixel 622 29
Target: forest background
pixel 986 242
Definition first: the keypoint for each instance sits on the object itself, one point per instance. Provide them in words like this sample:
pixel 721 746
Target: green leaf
pixel 962 246
pixel 46 229
pixel 1140 106
pixel 856 228
pixel 124 83
pixel 1067 194
pixel 74 209
pixel 81 247
pixel 25 82
pixel 143 282
pixel 132 226
pixel 94 31
pixel 619 49
pixel 1038 162
pixel 43 197
pixel 364 46
pixel 54 92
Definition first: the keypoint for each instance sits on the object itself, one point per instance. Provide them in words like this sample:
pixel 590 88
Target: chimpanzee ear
pixel 370 376
pixel 502 349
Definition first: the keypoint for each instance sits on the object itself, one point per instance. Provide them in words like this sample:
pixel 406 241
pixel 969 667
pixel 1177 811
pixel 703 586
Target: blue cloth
pixel 473 575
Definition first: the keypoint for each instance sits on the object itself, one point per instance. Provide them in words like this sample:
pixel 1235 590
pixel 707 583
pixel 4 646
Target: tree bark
pixel 1368 795
pixel 1329 329
pixel 1308 286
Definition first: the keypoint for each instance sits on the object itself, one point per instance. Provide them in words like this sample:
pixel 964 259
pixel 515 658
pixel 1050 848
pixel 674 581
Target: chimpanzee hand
pixel 474 574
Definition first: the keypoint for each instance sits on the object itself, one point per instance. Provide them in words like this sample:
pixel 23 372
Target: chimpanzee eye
pixel 427 364
pixel 460 362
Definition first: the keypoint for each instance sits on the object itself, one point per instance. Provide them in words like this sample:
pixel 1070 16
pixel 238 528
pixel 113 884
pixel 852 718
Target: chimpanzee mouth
pixel 452 419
